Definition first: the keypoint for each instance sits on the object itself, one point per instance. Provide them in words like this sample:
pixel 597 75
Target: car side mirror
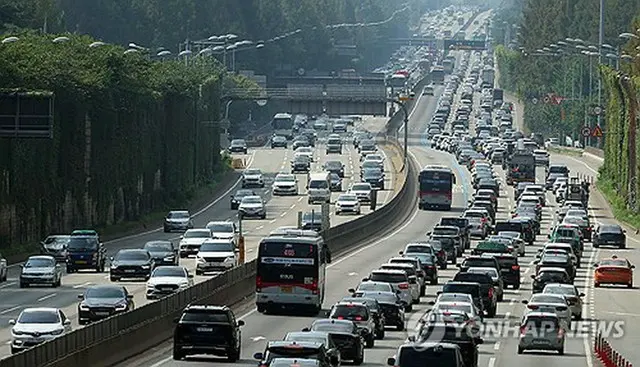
pixel 438 293
pixel 190 276
pixel 525 302
pixel 351 290
pixel 176 320
pixel 66 322
pixel 258 356
pixel 401 252
pixel 181 237
pixel 479 341
pixel 391 361
pixel 536 261
pixel 412 338
pixel 595 265
pixel 458 265
pixel 12 322
pixel 431 303
pixel 240 323
pixel 633 266
pixel 365 279
pixel 532 276
pixel 80 296
pixel 306 329
pixel 581 295
pixel 111 258
pixel 333 359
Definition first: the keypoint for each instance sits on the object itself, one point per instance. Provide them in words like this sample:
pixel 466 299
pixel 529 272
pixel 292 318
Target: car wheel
pixel 114 279
pixel 233 356
pixel 400 326
pixel 561 350
pixel 443 266
pixel 198 272
pixel 409 308
pixel 358 361
pixel 370 341
pixel 177 354
pixel 520 350
pixel 24 285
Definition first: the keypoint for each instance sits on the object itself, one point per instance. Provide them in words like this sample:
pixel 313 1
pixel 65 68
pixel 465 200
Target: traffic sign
pixel 556 99
pixel 585 131
pixel 547 99
pixel 597 110
pixel 534 101
pixel 596 132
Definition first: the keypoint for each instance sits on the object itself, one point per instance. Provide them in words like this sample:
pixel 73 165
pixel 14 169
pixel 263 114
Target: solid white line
pixel 492 362
pixel 8 310
pixel 44 298
pixel 283 214
pixel 7 285
pixel 83 285
pixel 259 228
pixel 292 206
pixel 272 221
pixel 496 346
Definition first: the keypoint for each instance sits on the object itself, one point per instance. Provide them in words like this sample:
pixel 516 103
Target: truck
pixel 488 77
pixel 521 167
pixel 437 75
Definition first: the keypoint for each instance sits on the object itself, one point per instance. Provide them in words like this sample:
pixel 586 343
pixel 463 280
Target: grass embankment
pixel 574 152
pixel 618 204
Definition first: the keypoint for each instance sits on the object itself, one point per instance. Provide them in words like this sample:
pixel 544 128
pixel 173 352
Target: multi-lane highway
pixel 281 211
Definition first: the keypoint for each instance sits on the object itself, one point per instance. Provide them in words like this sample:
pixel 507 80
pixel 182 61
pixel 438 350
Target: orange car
pixel 614 271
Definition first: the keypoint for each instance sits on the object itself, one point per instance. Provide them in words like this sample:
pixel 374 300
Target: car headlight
pixel 145 266
pixel 113 266
pixel 57 332
pixel 200 260
pixel 169 258
pixel 84 307
pixel 121 306
pixel 16 332
pixel 229 259
pixel 184 285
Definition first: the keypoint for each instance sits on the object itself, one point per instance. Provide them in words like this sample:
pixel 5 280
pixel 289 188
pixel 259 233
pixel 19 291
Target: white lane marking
pixel 259 228
pixel 507 315
pixel 8 310
pixel 352 274
pixel 7 285
pixel 84 284
pixel 44 298
pixel 496 346
pixel 622 313
pixel 258 338
pixel 272 221
pixel 292 206
pixel 283 214
pixel 300 198
pixel 492 362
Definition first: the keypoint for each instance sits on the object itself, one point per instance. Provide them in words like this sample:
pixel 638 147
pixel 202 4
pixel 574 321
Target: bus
pixel 282 124
pixel 291 270
pixel 397 81
pixel 437 75
pixel 436 187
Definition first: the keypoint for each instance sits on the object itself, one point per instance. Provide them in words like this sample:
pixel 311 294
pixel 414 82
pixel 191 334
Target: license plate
pixel 286 289
pixel 129 271
pixel 204 329
pixel 540 341
pixel 102 314
pixel 81 261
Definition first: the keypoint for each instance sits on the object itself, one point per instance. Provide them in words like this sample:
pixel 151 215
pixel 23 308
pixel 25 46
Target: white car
pixel 551 303
pixel 306 151
pixel 378 158
pixel 216 255
pixel 285 184
pixel 252 206
pixel 362 190
pixel 571 293
pixel 467 307
pixel 558 182
pixel 37 325
pixel 223 230
pixel 347 203
pixel 252 177
pixel 167 280
pixel 192 239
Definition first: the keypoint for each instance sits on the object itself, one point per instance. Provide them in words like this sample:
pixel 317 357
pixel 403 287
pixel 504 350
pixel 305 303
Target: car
pixel 376 313
pixel 278 141
pixel 85 251
pixel 390 304
pixel 610 235
pixel 428 354
pixel 103 300
pixel 372 286
pixel 37 325
pixel 163 252
pixel 416 283
pixel 305 151
pixel 314 337
pixel 549 275
pixel 339 127
pixel 208 329
pixel 399 280
pixel 334 144
pixel 486 260
pixel 56 246
pixel 252 207
pixel 374 177
pixel 312 221
pixel 216 255
pixel 178 220
pixel 238 196
pixel 614 270
pixel 428 90
pixel 426 248
pixel 518 241
pixel 487 289
pixel 460 335
pixel 509 269
pixel 571 293
pixel 166 280
pixel 300 163
pixel 541 157
pixel 472 288
pixel 362 190
pixel 191 241
pixel 41 269
pixel 224 230
pixel 463 224
pixel 556 259
pixel 541 331
pixel 479 223
pixel 4 269
pixel 417 268
pixel 301 141
pixel 347 336
pixel 131 263
pixel 348 203
pixel 238 146
pixel 359 313
pixel 496 277
pixel 375 157
pixel 336 182
pixel 428 265
pixel 334 167
pixel 285 184
pixel 552 303
pixel 252 177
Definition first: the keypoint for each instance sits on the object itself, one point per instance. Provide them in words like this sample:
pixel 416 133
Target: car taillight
pixel 523 330
pixel 430 267
pixel 483 220
pixel 560 333
pixel 258 283
pixel 314 286
pixel 340 317
pixel 403 286
pixel 532 307
pixel 490 292
pixel 358 318
pixel 515 267
pixel 449 195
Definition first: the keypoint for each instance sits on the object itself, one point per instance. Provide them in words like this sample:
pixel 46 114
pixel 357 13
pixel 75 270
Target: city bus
pixel 437 75
pixel 282 124
pixel 291 271
pixel 436 187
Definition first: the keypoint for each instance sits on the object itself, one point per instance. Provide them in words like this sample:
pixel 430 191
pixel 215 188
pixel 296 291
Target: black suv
pixel 462 336
pixel 374 309
pixel 429 354
pixel 205 329
pixel 472 289
pixel 487 290
pixel 484 261
pixel 509 269
pixel 463 224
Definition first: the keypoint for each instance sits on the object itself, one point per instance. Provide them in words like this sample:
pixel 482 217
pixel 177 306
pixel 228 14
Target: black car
pixel 238 196
pixel 312 221
pixel 549 275
pixel 487 290
pixel 300 163
pixel 391 307
pixel 374 310
pixel 56 246
pixel 429 268
pixel 472 289
pixel 609 235
pixel 163 252
pixel 374 177
pixel 334 167
pixel 131 263
pixel 315 337
pixel 346 335
pixel 448 244
pixel 359 313
pixel 238 146
pixel 462 336
pixel 450 231
pixel 101 301
pixel 300 142
pixel 427 354
pixel 85 252
pixel 555 260
pixel 206 329
pixel 278 141
pixel 463 224
pixel 509 269
pixel 516 225
pixel 336 182
pixel 295 349
pixel 483 261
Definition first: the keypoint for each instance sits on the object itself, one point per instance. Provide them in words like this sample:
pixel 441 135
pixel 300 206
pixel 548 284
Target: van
pixel 319 187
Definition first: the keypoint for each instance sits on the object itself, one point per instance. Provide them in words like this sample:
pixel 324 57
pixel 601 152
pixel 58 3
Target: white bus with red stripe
pixel 291 267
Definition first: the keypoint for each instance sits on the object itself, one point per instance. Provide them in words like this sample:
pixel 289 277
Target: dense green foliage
pixel 128 136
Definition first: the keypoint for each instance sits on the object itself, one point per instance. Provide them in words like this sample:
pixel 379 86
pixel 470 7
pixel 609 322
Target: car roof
pixel 41 257
pixel 291 343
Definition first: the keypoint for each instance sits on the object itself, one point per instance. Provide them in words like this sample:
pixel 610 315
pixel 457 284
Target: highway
pixel 281 211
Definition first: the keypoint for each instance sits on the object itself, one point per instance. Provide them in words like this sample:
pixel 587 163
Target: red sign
pixel 596 132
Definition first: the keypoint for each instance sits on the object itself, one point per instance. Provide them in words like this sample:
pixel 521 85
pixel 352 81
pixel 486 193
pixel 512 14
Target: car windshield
pixel 178 215
pixel 329 327
pixel 56 242
pixel 252 200
pixel 542 323
pixel 349 312
pixel 305 337
pixel 169 271
pixel 492 272
pixel 347 198
pixel 39 317
pixel 551 276
pixel 252 172
pixel 360 187
pixel 242 193
pixel 132 256
pixel 204 316
pixel 221 227
pixel 318 184
pixel 373 157
pixel 199 233
pixel 82 244
pixel 158 246
pixel 554 257
pixel 285 178
pixel 544 298
pixel 424 258
pixel 40 263
pixel 216 247
pixel 105 292
pixel 610 229
pixel 389 277
pixel 613 263
pixel 333 165
pixel 237 142
pixel 371 174
pixel 566 291
pixel 375 287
